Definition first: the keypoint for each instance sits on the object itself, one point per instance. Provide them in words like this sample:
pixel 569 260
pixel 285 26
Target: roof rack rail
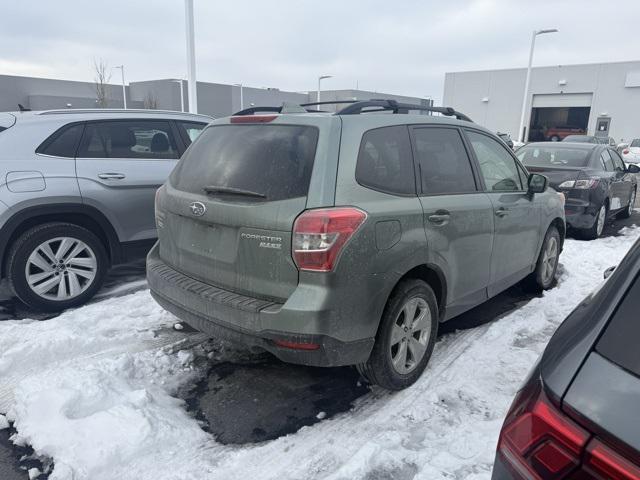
pixel 381 105
pixel 356 107
pixel 291 108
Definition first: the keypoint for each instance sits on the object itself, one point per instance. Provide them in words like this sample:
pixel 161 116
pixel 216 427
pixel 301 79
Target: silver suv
pixel 77 195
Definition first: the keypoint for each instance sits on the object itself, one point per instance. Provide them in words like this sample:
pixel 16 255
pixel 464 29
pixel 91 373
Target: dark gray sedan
pixel 577 416
pixel 596 183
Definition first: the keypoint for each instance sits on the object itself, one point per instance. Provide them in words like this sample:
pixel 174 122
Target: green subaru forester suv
pixel 344 239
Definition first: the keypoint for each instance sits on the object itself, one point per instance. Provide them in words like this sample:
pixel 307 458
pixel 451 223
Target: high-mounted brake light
pixel 253 118
pixel 319 236
pixel 539 441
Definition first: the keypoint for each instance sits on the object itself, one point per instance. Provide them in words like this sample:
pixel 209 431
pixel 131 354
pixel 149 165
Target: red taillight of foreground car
pixel 319 236
pixel 538 441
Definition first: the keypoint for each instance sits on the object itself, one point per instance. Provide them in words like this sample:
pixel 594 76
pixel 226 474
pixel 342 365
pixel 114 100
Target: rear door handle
pixel 111 176
pixel 502 212
pixel 440 217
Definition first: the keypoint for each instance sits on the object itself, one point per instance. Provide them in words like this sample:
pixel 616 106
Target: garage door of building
pixel 562 100
pixel 554 116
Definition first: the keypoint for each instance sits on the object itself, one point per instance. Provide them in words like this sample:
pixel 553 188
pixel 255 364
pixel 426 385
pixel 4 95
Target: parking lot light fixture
pixel 528 78
pixel 320 78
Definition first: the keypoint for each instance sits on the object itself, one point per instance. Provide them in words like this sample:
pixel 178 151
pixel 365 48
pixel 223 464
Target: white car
pixel 631 154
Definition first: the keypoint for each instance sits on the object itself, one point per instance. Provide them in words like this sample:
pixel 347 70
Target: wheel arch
pixel 82 215
pixel 561 227
pixel 433 276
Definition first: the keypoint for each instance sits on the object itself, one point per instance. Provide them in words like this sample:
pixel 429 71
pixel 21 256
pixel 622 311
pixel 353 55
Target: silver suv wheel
pixel 61 268
pixel 410 335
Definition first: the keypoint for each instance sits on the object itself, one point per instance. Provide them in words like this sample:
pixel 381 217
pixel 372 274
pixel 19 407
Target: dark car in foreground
pixel 596 182
pixel 578 414
pixel 345 239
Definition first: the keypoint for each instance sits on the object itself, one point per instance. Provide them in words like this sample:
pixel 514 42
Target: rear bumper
pixel 579 213
pixel 250 321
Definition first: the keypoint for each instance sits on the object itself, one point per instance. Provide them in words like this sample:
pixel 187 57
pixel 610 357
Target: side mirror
pixel 633 168
pixel 537 183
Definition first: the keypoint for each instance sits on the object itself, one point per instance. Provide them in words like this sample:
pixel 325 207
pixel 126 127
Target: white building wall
pixel 465 91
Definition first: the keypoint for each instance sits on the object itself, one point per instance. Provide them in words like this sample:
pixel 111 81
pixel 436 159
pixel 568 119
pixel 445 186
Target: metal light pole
pixel 124 90
pixel 320 78
pixel 191 57
pixel 181 93
pixel 241 98
pixel 526 82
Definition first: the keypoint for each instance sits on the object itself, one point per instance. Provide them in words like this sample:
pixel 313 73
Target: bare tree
pixel 150 101
pixel 101 80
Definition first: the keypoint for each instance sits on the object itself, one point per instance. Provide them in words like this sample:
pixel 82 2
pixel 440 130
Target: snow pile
pixel 96 394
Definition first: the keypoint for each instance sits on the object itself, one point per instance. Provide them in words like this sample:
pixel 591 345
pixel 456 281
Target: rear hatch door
pixel 606 390
pixel 230 204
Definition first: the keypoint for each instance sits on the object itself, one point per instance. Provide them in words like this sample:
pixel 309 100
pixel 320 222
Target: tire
pixel 380 368
pixel 627 212
pixel 543 277
pixel 80 277
pixel 598 224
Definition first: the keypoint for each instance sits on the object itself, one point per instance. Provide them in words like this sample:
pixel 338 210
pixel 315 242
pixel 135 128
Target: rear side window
pixel 619 343
pixel 129 139
pixel 444 165
pixel 274 161
pixel 63 143
pixel 617 161
pixel 607 161
pixel 385 162
pixel 191 130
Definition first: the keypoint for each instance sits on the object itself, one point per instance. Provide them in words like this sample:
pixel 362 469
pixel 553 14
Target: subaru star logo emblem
pixel 197 208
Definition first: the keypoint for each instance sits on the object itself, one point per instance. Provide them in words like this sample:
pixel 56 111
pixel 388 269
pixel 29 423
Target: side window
pixel 607 161
pixel 498 167
pixel 444 165
pixel 62 143
pixel 385 162
pixel 129 139
pixel 192 129
pixel 524 176
pixel 617 161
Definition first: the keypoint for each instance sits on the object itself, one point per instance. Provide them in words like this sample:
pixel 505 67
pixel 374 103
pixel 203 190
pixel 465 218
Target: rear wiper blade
pixel 233 191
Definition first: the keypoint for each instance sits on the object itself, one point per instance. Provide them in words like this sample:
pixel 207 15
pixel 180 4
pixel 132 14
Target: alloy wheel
pixel 602 214
pixel 549 259
pixel 410 335
pixel 61 268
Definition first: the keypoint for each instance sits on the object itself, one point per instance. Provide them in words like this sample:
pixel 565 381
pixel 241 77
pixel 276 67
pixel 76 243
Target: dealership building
pixel 215 99
pixel 563 99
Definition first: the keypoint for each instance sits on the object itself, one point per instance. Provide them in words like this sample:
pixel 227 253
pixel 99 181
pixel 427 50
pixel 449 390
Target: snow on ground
pixel 97 389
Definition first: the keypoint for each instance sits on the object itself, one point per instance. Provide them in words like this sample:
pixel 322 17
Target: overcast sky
pixel 402 46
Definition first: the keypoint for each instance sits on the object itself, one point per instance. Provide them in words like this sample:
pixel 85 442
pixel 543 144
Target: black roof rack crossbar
pixel 396 107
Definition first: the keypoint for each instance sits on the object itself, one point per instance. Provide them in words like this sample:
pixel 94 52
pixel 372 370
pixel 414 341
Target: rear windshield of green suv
pixel 273 161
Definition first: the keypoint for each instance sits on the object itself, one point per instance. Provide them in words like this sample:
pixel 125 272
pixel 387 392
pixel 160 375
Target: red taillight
pixel 296 345
pixel 602 462
pixel 319 235
pixel 253 118
pixel 625 151
pixel 538 441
